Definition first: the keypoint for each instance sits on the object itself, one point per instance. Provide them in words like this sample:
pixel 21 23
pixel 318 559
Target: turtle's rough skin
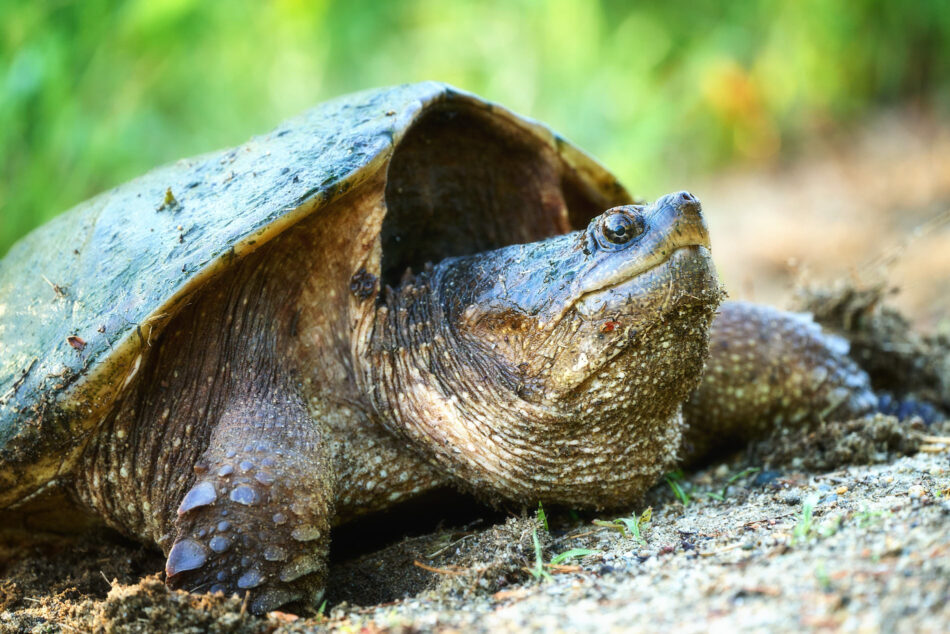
pixel 516 368
pixel 770 368
pixel 232 373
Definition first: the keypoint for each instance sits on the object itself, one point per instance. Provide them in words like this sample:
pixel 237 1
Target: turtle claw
pixel 185 555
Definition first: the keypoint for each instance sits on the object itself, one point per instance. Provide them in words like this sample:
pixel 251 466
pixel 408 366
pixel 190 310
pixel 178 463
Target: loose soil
pixel 756 542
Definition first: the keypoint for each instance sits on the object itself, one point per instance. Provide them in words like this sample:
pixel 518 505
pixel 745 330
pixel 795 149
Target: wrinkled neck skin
pixel 540 373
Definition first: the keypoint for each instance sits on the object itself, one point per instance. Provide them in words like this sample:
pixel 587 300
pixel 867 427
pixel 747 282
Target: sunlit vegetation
pixel 95 92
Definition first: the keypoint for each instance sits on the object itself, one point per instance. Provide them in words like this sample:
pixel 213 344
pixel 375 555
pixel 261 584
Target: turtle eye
pixel 619 228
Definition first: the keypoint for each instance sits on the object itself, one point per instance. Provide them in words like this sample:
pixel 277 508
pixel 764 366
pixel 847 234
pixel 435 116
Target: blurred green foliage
pixel 95 92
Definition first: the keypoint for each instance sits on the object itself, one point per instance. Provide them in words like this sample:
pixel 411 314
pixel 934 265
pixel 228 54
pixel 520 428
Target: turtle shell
pixel 82 297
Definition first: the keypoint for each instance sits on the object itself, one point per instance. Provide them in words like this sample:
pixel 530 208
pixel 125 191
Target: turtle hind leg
pixel 256 521
pixel 767 369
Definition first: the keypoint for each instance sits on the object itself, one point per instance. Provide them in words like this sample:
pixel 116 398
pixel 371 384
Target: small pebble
pixel 917 491
pixel 841 490
pixel 766 477
pixel 792 498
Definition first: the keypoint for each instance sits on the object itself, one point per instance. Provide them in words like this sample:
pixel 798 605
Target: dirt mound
pixel 900 361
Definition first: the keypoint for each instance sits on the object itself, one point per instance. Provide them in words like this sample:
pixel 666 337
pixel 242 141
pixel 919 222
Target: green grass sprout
pixel 721 495
pixel 633 524
pixel 538 572
pixel 542 517
pixel 673 479
pixel 804 526
pixel 573 553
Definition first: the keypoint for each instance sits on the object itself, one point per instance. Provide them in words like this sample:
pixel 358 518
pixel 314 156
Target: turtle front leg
pixel 257 519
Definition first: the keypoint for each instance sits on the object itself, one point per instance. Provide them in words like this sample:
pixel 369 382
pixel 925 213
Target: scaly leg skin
pixel 257 519
pixel 768 369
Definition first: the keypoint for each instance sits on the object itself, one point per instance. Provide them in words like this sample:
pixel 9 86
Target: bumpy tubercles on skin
pixel 229 538
pixel 769 368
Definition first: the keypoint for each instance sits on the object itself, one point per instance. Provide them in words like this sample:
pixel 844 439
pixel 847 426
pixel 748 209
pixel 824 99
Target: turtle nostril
pixel 686 202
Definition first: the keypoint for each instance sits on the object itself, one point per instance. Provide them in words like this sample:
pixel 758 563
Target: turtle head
pixel 561 311
pixel 556 370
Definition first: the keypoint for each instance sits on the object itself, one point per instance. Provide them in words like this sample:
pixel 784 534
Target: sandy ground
pixel 843 529
pixel 756 543
pixel 874 556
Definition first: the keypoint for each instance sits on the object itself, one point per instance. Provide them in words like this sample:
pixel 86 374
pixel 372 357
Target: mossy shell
pixel 82 296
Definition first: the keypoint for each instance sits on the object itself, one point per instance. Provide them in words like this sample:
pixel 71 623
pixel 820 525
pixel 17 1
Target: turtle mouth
pixel 622 296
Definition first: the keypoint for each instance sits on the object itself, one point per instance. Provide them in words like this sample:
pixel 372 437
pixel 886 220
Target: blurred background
pixel 815 132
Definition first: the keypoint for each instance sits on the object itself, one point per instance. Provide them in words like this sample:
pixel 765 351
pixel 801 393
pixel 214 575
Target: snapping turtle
pixel 400 289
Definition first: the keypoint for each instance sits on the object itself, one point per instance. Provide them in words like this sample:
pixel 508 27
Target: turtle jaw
pixel 613 327
pixel 615 298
